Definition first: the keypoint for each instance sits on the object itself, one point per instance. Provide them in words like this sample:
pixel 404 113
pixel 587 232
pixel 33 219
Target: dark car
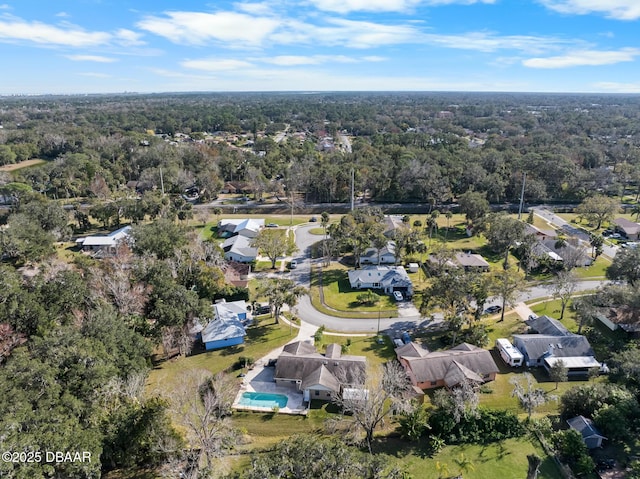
pixel 493 310
pixel 313 219
pixel 271 225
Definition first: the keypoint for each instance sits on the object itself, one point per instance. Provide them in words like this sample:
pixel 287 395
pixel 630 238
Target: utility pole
pixel 524 180
pixel 353 188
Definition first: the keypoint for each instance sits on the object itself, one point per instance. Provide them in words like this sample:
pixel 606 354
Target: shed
pixel 590 434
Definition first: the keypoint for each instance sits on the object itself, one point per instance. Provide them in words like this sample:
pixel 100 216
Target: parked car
pixel 398 343
pixel 293 264
pixel 532 316
pixel 406 339
pixel 313 219
pixel 398 296
pixel 271 225
pixel 493 309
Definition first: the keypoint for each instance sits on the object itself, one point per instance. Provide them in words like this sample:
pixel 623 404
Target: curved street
pixel 309 314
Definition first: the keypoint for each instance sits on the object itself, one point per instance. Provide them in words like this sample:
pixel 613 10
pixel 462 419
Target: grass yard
pixel 340 298
pixel 597 270
pixel 261 338
pixel 503 460
pixel 363 346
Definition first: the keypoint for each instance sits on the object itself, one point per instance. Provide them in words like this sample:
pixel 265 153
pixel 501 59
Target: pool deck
pixel 260 379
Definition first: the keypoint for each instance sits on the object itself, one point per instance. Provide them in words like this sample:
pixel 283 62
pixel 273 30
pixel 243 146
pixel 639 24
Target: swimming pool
pixel 267 400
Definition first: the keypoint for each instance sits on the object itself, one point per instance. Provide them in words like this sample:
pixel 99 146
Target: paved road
pixel 305 310
pixel 546 213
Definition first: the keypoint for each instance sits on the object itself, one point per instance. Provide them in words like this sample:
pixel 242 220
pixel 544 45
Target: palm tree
pixel 280 292
pixel 635 211
pixel 448 215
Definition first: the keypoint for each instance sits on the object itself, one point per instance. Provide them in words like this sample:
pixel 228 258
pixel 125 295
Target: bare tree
pixel 530 397
pixel 203 406
pixel 461 401
pixel 563 287
pixel 378 390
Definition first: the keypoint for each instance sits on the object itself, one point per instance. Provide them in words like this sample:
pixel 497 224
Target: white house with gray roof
pixel 238 248
pixel 386 278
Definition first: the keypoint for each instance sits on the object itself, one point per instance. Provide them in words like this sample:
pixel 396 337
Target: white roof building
pixel 105 242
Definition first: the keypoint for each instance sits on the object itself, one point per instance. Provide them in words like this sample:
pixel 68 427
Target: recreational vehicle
pixel 509 353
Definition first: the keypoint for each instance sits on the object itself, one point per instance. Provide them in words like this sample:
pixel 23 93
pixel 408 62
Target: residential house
pixel 236 273
pixel 316 375
pixel 471 262
pixel 386 254
pixel 249 227
pixel 392 224
pixel 623 317
pixel 386 278
pixel 222 333
pixel 567 252
pixel 628 229
pixel 552 343
pixel 449 368
pixel 539 233
pixel 238 248
pixel 105 245
pixel 233 187
pixel 585 427
pixel 231 310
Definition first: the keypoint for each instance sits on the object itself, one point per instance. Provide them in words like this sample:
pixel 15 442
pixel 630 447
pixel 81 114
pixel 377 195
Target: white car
pixel 398 295
pixel 293 264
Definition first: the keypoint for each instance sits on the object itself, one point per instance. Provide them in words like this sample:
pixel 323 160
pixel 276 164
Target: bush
pixel 573 450
pixel 487 426
pixel 368 298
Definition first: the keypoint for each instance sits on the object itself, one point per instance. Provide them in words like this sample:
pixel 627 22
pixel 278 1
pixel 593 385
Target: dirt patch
pixel 22 164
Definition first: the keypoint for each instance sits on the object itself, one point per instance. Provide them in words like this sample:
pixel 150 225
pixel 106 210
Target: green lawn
pixel 261 338
pixel 502 460
pixel 363 346
pixel 340 298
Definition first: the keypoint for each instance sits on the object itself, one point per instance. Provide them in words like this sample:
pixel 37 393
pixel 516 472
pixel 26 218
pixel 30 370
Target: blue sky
pixel 105 46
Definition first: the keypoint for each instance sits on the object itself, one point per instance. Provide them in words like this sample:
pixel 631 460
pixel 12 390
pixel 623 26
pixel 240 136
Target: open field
pixel 261 338
pixel 22 164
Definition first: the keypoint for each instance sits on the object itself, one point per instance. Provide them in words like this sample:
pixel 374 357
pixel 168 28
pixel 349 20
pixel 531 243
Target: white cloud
pixel 615 87
pixel 346 6
pixel 90 58
pixel 15 29
pixel 618 9
pixel 216 64
pixel 584 58
pixel 489 42
pixel 264 9
pixel 129 37
pixel 95 75
pixel 345 33
pixel 63 15
pixel 297 60
pixel 195 28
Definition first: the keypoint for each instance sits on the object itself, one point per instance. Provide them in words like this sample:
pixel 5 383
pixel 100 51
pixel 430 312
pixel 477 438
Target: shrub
pixel 368 298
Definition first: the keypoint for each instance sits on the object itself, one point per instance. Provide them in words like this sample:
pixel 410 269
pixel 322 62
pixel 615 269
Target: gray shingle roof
pixel 548 326
pixel 434 366
pixel 538 345
pixel 299 362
